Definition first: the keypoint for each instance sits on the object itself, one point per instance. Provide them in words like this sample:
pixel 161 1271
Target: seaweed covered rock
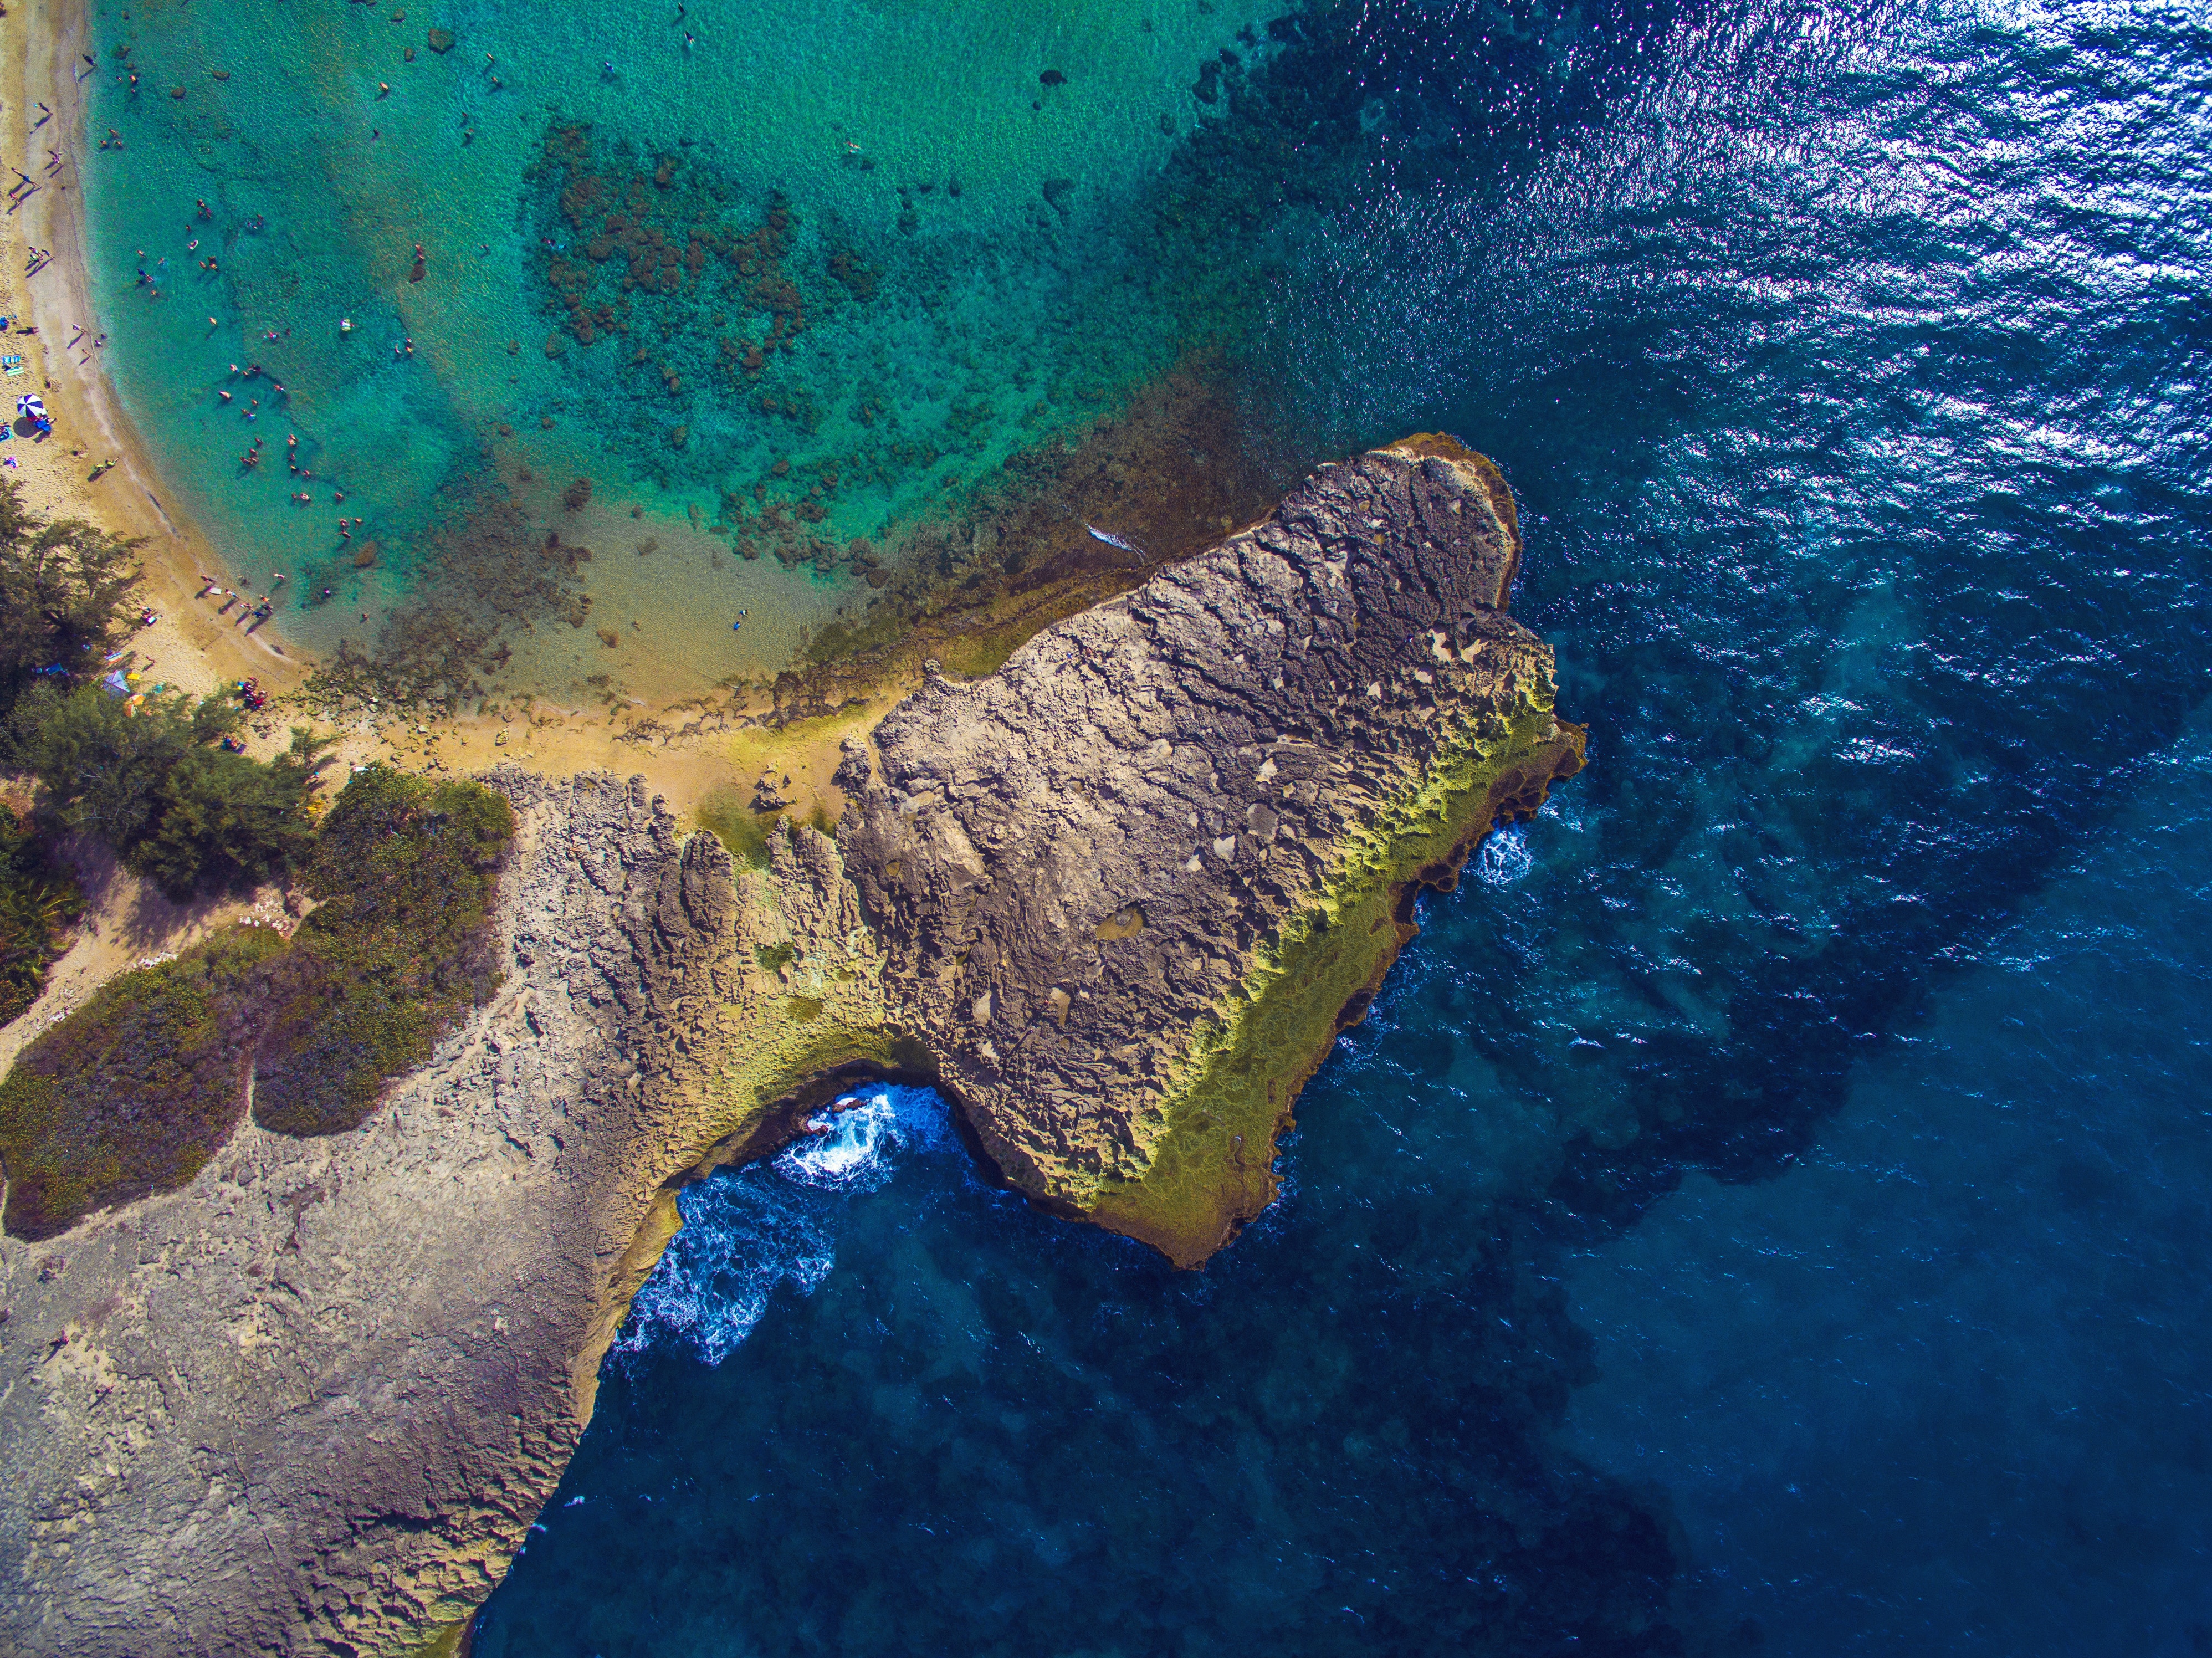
pixel 1133 883
pixel 1118 896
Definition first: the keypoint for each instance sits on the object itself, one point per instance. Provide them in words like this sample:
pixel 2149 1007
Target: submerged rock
pixel 1115 899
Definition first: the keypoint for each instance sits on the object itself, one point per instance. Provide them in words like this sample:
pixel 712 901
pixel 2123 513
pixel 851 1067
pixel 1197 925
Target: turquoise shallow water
pixel 966 264
pixel 1766 1209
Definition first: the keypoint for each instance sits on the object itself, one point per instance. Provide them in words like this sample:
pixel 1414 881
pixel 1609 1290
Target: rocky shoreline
pixel 1115 899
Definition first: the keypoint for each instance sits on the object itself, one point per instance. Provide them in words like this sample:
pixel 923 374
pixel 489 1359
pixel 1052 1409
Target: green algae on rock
pixel 1259 751
pixel 1115 899
pixel 1230 1094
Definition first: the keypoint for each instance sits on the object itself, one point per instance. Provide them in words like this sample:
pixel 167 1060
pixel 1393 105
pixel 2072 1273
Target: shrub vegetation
pixel 131 1094
pixel 400 945
pixel 134 1092
pixel 38 900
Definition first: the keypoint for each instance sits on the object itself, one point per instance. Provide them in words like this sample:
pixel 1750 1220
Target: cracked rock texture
pixel 1117 898
pixel 312 1402
pixel 1085 866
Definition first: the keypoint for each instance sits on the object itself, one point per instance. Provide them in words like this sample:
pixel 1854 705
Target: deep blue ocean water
pixel 1766 1210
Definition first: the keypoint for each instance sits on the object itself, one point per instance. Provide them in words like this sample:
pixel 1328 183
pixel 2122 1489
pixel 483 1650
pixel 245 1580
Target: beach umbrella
pixel 32 404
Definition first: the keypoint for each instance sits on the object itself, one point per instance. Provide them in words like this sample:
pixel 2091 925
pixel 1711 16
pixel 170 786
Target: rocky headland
pixel 1115 899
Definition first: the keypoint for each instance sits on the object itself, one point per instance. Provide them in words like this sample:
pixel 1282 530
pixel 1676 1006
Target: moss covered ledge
pixel 1229 1095
pixel 1133 882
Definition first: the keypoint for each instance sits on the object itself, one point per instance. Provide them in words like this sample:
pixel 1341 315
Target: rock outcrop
pixel 1133 882
pixel 1117 898
pixel 314 1401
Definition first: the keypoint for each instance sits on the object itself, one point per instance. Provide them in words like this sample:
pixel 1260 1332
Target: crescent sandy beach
pixel 1210 828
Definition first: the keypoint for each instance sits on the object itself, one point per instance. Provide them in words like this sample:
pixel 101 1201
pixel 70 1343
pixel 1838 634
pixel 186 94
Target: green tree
pixel 153 785
pixel 223 820
pixel 37 902
pixel 65 593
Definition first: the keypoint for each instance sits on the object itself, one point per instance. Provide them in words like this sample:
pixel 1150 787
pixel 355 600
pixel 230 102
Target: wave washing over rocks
pixel 1113 901
pixel 742 1238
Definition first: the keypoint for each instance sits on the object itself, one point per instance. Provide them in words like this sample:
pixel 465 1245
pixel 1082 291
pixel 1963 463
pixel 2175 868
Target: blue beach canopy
pixel 32 404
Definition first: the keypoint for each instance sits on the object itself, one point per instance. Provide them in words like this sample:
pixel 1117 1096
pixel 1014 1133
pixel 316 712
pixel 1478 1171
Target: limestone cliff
pixel 1117 897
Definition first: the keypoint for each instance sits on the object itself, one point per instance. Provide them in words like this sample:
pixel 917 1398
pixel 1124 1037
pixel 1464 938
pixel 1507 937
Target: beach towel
pixel 11 365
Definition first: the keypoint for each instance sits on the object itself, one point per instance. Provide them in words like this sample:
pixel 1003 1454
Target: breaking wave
pixel 748 1230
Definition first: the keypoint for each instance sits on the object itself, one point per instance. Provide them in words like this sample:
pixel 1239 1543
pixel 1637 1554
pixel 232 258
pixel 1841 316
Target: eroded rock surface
pixel 1095 870
pixel 1118 896
pixel 312 1402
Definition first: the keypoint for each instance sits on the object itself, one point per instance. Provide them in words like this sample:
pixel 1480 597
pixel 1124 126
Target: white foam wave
pixel 1504 858
pixel 747 1232
pixel 850 1149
